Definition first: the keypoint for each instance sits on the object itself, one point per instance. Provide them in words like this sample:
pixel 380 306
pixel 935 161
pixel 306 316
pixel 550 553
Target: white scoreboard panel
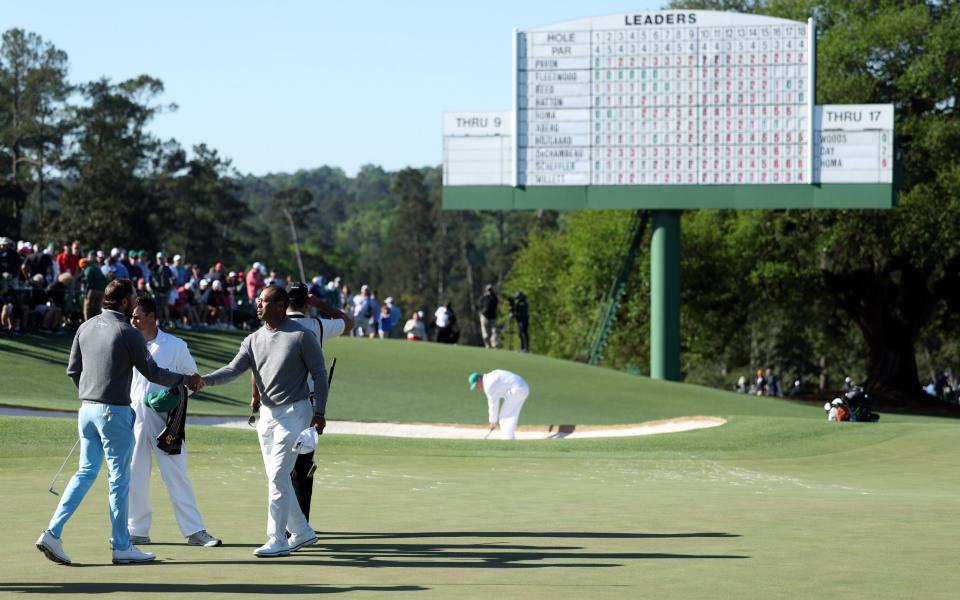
pixel 665 98
pixel 478 148
pixel 853 143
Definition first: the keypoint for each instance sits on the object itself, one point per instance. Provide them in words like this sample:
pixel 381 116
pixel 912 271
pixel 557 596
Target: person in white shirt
pixel 332 323
pixel 513 389
pixel 169 352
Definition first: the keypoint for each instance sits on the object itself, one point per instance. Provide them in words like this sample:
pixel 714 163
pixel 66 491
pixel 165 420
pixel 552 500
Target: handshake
pixel 195 382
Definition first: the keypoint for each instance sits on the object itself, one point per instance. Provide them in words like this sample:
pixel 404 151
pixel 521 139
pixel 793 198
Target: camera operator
pixel 520 311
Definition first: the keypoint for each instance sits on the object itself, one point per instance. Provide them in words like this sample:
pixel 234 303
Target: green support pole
pixel 665 296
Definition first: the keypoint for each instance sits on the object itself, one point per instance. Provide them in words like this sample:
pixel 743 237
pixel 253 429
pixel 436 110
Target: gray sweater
pixel 281 360
pixel 105 351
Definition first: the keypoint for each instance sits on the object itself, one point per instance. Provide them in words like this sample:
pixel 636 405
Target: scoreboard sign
pixel 676 98
pixel 671 110
pixel 853 143
pixel 478 148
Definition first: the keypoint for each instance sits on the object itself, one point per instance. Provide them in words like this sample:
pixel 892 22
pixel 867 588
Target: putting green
pixel 760 508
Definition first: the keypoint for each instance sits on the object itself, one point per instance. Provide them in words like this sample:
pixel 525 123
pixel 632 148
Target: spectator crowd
pixel 51 289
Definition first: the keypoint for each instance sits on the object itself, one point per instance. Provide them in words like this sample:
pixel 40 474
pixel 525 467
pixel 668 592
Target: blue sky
pixel 281 86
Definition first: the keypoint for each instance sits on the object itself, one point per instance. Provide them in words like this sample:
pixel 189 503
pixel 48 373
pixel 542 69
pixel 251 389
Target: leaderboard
pixel 665 98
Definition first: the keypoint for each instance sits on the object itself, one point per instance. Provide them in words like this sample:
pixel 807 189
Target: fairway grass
pixel 402 382
pixel 763 507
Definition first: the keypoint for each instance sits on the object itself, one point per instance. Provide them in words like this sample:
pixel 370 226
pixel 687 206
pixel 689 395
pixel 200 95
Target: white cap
pixel 306 441
pixel 389 300
pixel 827 406
pixel 177 257
pixel 216 284
pixel 114 251
pixel 318 280
pixel 204 283
pixel 837 401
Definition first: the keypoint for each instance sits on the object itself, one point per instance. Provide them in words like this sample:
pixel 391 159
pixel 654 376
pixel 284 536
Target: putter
pixel 54 480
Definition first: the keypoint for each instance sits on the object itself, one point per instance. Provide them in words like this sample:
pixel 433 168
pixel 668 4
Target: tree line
pixel 817 294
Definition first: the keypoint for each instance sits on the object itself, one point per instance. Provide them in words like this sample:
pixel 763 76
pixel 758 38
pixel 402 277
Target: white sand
pixel 445 431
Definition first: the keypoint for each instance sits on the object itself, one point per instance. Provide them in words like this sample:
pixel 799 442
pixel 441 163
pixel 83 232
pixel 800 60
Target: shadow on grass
pixel 329 552
pixel 199 588
pixel 52 359
pixel 346 535
pixel 206 396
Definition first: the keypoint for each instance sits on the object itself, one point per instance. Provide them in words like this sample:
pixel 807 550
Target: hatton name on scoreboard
pixel 674 109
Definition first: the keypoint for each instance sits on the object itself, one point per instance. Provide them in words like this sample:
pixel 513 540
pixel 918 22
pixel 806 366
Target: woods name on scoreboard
pixel 668 98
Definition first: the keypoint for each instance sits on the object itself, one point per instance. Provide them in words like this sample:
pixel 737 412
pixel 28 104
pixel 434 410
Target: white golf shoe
pixel 132 555
pixel 272 549
pixel 202 538
pixel 52 548
pixel 301 541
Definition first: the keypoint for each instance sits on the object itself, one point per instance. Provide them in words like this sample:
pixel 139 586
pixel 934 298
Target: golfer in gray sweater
pixel 105 351
pixel 282 356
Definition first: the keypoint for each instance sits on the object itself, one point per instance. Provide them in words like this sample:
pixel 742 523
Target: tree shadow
pixel 62 362
pixel 263 589
pixel 207 396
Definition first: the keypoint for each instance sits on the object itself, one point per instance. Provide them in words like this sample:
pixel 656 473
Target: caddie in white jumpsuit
pixel 512 388
pixel 171 353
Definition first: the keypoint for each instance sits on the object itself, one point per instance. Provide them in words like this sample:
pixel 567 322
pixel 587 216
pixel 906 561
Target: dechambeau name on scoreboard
pixel 661 19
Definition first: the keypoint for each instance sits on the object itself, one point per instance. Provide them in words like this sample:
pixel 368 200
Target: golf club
pixel 60 470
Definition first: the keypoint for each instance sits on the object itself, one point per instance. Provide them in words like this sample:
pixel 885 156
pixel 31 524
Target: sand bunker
pixel 444 431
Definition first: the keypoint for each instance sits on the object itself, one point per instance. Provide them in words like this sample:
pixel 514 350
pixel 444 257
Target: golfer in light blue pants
pixel 105 430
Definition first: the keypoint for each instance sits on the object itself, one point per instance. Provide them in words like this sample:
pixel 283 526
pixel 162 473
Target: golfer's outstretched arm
pixel 493 408
pixel 239 364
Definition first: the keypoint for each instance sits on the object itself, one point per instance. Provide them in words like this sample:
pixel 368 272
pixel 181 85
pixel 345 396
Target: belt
pixel 91 402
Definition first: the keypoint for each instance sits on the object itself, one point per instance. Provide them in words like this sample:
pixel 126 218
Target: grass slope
pixel 765 507
pixel 411 382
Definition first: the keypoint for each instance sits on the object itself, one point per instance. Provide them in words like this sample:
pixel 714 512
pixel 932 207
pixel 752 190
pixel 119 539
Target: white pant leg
pixel 140 509
pixel 278 430
pixel 173 468
pixel 510 413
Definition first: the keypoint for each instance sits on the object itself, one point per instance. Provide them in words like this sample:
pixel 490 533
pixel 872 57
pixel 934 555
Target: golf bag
pixel 171 438
pixel 858 402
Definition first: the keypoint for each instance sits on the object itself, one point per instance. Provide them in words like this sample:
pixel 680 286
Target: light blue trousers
pixel 106 430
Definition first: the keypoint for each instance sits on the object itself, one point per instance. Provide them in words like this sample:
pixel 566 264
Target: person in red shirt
pixel 69 260
pixel 255 281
